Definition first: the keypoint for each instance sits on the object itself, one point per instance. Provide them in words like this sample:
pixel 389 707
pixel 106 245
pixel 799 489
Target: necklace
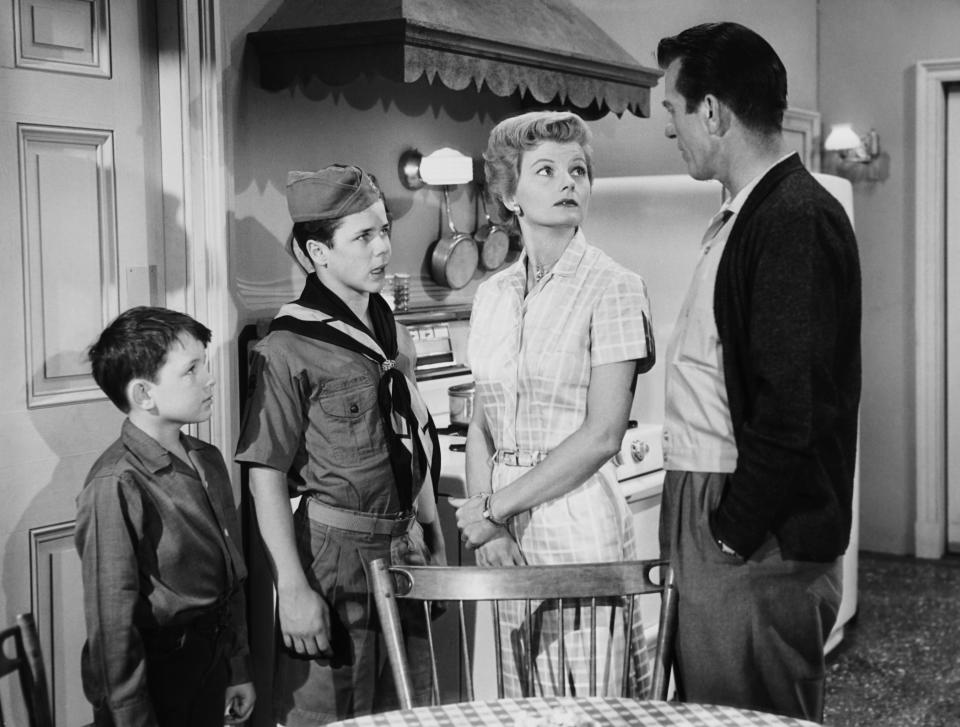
pixel 540 270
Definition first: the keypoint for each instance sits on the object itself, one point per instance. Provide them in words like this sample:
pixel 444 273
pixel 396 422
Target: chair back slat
pixel 465 650
pixel 614 584
pixel 663 659
pixel 498 645
pixel 625 674
pixel 593 647
pixel 20 653
pixel 389 615
pixel 434 679
pixel 527 645
pixel 561 651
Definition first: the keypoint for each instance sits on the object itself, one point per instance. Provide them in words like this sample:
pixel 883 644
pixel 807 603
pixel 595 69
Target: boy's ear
pixel 140 394
pixel 317 252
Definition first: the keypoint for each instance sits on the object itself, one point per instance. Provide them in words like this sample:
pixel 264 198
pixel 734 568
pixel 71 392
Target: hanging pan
pixel 493 239
pixel 454 257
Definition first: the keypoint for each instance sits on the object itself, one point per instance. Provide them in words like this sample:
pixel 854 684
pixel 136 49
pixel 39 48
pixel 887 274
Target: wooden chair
pixel 456 585
pixel 25 658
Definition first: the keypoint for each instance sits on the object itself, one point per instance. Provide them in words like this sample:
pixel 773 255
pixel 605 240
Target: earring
pixel 518 211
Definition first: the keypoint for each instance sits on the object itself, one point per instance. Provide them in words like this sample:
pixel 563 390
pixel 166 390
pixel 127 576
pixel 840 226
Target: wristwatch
pixel 727 550
pixel 488 514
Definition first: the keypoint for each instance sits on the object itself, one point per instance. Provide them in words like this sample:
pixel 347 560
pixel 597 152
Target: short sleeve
pixel 617 330
pixel 474 336
pixel 271 433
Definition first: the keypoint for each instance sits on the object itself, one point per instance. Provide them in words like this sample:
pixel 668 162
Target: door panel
pixel 81 238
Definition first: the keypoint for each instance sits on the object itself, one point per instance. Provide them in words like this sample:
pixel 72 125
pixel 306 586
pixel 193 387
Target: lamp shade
pixel 842 137
pixel 446 167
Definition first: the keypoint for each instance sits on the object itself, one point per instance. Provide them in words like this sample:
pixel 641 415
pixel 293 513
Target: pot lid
pixel 547 49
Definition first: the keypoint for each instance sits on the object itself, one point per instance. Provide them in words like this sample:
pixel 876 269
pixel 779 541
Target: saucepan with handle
pixel 492 238
pixel 454 257
pixel 460 399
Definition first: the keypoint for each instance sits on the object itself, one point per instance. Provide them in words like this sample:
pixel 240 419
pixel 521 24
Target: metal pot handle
pixel 446 203
pixel 483 203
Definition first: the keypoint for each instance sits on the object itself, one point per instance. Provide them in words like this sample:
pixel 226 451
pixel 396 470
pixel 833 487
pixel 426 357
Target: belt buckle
pixel 526 459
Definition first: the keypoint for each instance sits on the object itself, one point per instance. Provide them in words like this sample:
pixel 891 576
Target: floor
pixel 899 663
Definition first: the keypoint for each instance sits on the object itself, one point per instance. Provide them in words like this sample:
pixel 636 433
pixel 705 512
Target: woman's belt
pixel 519 457
pixel 359 522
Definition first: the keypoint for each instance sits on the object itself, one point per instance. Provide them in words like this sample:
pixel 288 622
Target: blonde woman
pixel 555 345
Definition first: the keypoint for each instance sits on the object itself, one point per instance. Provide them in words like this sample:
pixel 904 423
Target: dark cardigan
pixel 787 306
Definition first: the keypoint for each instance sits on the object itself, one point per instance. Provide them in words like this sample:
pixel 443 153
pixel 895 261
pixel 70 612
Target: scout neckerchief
pixel 320 314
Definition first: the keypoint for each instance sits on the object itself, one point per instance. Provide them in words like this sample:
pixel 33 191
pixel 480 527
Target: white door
pixel 81 238
pixel 953 316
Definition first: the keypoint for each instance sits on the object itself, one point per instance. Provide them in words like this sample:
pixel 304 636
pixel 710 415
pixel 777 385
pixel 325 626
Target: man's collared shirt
pixel 698 430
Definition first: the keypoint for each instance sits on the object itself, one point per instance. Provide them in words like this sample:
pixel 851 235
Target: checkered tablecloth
pixel 572 712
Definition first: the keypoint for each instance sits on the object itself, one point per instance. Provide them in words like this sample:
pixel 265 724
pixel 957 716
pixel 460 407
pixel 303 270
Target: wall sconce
pixel 443 167
pixel 855 157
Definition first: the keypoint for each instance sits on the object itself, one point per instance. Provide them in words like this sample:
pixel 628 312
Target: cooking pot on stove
pixel 454 257
pixel 460 398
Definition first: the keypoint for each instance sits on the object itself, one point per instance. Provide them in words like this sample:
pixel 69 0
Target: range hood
pixel 547 50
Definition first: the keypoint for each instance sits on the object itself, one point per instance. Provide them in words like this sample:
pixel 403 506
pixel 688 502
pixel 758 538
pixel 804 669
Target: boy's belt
pixel 359 522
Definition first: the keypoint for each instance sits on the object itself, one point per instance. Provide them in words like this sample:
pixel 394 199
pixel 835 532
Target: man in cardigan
pixel 763 386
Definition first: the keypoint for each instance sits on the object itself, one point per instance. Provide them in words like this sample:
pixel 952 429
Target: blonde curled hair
pixel 513 136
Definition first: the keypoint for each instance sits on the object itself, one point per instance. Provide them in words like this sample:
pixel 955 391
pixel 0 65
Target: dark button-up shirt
pixel 159 543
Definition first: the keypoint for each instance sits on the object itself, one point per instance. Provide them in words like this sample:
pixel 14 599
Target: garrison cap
pixel 332 192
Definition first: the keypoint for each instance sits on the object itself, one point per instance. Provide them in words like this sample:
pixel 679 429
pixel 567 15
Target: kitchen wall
pixel 867 54
pixel 849 59
pixel 629 145
pixel 372 121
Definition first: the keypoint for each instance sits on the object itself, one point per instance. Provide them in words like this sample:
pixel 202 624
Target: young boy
pixel 335 407
pixel 159 540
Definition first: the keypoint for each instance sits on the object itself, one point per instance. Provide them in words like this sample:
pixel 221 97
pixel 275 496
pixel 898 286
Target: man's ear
pixel 716 115
pixel 140 394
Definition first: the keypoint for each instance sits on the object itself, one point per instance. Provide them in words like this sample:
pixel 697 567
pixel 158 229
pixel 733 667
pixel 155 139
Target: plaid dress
pixel 531 358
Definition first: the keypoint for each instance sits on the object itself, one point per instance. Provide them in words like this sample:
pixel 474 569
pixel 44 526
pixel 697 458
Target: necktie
pixel 716 222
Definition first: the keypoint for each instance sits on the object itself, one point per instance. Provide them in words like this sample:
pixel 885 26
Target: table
pixel 573 712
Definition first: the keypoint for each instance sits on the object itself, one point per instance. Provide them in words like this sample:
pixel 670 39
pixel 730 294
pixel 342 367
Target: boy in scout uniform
pixel 334 415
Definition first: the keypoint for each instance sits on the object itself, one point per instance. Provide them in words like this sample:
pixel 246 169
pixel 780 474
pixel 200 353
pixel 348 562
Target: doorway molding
pixel 930 322
pixel 194 185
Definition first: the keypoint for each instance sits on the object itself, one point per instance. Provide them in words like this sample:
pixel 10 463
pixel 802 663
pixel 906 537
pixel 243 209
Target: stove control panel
pixel 641 451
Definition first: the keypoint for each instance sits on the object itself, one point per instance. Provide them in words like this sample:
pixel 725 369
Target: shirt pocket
pixel 351 418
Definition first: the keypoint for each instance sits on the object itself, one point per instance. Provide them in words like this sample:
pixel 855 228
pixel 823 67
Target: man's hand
pixel 501 551
pixel 304 621
pixel 239 703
